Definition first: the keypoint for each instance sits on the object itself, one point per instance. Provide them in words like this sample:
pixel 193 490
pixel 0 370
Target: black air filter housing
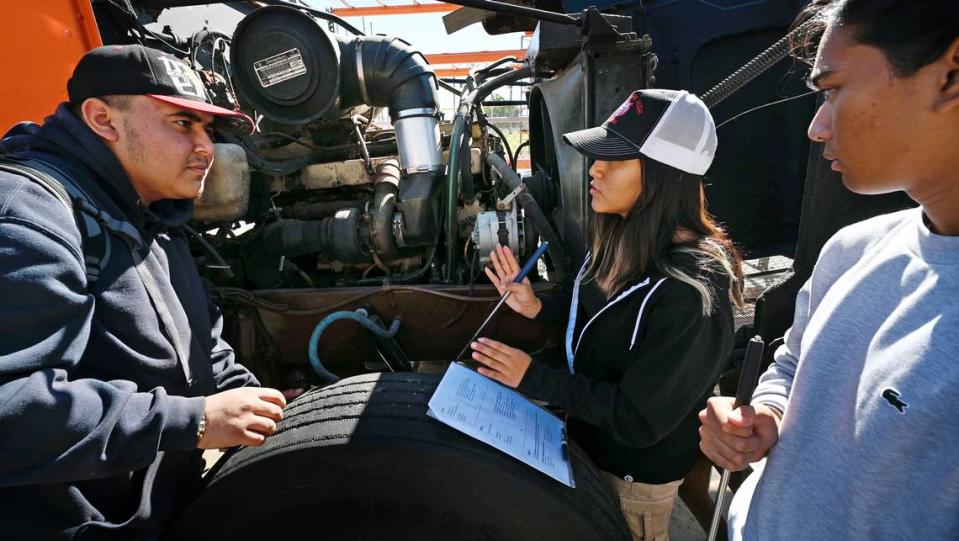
pixel 286 66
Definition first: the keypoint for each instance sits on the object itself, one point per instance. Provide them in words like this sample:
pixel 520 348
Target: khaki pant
pixel 647 508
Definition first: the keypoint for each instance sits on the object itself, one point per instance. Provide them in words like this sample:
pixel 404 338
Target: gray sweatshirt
pixel 868 378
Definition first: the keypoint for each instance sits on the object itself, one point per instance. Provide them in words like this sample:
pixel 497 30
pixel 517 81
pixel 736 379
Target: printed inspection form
pixel 494 414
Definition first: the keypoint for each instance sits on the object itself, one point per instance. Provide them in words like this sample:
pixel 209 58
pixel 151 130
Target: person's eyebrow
pixel 194 117
pixel 814 80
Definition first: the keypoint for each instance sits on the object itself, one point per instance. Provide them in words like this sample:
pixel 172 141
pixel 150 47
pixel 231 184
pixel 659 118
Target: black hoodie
pixel 637 372
pixel 98 414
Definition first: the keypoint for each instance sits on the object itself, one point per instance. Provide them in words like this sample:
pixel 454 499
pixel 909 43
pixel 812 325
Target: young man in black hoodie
pixel 113 371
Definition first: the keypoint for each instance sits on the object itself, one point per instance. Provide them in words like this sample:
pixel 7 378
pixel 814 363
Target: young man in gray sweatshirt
pixel 857 418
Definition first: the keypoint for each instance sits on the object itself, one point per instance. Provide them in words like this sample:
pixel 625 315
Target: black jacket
pixel 98 419
pixel 643 366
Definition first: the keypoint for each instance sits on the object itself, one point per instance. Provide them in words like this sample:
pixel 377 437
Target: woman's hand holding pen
pixel 505 268
pixel 501 363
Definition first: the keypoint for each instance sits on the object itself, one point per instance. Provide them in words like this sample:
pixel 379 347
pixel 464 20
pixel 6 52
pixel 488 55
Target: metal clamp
pixel 359 71
pixel 410 113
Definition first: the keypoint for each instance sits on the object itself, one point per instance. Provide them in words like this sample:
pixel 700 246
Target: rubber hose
pixel 452 193
pixel 466 172
pixel 391 73
pixel 484 90
pixel 358 317
pixel 461 127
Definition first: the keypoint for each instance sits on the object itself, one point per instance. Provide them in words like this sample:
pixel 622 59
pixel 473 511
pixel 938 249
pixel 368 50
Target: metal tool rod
pixel 717 513
pixel 744 393
pixel 530 263
pixel 483 325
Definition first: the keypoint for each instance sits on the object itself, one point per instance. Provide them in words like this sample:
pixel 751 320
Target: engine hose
pixel 535 214
pixel 221 263
pixel 386 71
pixel 460 129
pixel 452 193
pixel 358 316
pixel 509 150
pixel 481 92
pixel 754 68
pixel 519 149
pixel 466 172
pixel 404 278
pixel 197 40
pixel 481 73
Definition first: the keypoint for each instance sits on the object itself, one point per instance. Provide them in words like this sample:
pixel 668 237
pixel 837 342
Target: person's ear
pixel 100 118
pixel 948 98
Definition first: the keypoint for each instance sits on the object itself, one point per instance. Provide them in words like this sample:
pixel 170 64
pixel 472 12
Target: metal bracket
pixel 506 202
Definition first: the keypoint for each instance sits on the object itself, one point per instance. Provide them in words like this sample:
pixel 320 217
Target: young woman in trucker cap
pixel 649 316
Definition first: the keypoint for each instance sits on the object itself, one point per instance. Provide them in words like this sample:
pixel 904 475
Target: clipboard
pixel 504 419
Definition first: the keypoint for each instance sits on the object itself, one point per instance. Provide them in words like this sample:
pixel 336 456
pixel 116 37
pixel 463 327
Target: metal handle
pixel 750 371
pixel 744 392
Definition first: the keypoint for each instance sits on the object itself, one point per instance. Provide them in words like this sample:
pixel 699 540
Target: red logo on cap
pixel 633 103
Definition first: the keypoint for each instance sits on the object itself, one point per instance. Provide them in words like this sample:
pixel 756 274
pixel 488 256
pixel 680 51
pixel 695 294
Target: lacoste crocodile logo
pixel 892 396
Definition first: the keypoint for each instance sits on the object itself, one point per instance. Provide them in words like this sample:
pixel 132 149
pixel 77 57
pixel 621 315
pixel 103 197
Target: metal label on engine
pixel 279 67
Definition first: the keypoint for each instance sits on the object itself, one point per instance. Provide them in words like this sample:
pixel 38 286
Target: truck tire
pixel 361 460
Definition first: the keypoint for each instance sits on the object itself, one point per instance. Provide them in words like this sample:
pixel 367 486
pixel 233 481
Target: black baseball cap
pixel 138 70
pixel 670 126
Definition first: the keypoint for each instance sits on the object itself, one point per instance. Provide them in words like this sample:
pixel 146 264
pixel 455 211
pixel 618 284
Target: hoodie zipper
pixel 574 313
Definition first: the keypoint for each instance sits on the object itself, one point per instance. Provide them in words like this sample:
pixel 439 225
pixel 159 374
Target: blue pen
pixel 519 278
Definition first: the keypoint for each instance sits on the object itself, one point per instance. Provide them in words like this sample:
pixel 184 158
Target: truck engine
pixel 333 198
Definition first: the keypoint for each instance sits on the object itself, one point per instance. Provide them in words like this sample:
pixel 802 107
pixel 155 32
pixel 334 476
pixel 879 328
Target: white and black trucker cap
pixel 673 127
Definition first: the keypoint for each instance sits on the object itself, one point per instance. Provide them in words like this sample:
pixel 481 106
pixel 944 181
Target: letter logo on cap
pixel 184 78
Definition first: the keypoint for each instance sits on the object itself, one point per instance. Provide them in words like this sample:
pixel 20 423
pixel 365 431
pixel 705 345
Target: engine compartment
pixel 321 195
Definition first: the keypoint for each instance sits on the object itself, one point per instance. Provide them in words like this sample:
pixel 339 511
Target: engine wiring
pixel 515 158
pixel 765 105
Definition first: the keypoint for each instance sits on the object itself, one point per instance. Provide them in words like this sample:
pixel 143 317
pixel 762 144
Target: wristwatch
pixel 201 429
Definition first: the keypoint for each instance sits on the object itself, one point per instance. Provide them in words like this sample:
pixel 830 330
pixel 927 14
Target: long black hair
pixel 626 249
pixel 911 33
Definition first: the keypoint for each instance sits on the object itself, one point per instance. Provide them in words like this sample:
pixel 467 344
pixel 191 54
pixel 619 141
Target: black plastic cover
pixel 554 45
pixel 286 65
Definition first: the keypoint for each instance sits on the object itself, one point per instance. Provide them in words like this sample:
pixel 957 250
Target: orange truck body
pixel 41 42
